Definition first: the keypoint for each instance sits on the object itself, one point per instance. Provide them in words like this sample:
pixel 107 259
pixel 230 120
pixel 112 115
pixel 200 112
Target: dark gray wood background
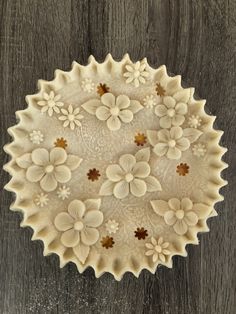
pixel 194 38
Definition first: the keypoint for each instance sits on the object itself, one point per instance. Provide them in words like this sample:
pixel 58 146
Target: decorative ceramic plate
pixel 115 166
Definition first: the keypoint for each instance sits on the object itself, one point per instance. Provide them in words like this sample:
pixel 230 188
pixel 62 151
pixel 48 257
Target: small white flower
pixel 112 226
pixel 63 192
pixel 194 121
pixel 150 101
pixel 41 199
pixel 157 249
pixel 87 85
pixel 199 150
pixel 50 103
pixel 136 73
pixel 36 137
pixel 71 117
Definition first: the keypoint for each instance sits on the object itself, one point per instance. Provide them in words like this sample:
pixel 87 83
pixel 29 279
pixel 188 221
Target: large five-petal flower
pixel 78 226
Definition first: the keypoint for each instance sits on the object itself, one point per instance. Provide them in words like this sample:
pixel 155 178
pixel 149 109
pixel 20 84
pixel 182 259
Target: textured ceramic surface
pixel 116 166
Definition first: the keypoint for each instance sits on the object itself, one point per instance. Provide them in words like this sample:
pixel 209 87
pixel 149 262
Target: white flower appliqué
pixel 36 137
pixel 41 199
pixel 171 111
pixel 113 110
pixel 136 73
pixel 112 226
pixel 182 215
pixel 71 117
pixel 157 249
pixel 50 103
pixel 199 150
pixel 131 175
pixel 194 121
pixel 87 85
pixel 48 168
pixel 150 101
pixel 63 192
pixel 172 142
pixel 78 226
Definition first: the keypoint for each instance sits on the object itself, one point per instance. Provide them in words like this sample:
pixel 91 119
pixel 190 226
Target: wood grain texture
pixel 196 39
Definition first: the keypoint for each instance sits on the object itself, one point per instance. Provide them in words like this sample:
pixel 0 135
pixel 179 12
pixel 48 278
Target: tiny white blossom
pixel 63 192
pixel 41 199
pixel 71 117
pixel 36 137
pixel 149 101
pixel 50 103
pixel 136 73
pixel 87 85
pixel 199 150
pixel 194 121
pixel 112 226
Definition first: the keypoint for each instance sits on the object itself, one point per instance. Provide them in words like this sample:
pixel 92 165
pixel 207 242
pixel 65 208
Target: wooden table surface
pixel 194 38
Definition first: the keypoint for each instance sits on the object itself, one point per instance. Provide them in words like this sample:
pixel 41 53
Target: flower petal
pixel 178 120
pixel 181 108
pixel 176 132
pixel 127 162
pixel 103 113
pixel 89 236
pixel 138 187
pixel 108 100
pixel 121 189
pixel 202 210
pixel 160 149
pixel 70 238
pixel 114 173
pixel 174 203
pixel 58 156
pixel 48 183
pixel 141 169
pixel 149 252
pixel 92 204
pixel 173 153
pixel 135 106
pixel 24 161
pixel 93 218
pixel 160 110
pixel 122 101
pixel 165 122
pixel 160 207
pixel 73 162
pixel 152 137
pixel 107 188
pixel 186 204
pixel 152 184
pixel 170 217
pixel 81 251
pixel 34 173
pixel 169 101
pixel 91 106
pixel 143 154
pixel 126 116
pixel 113 123
pixel 62 174
pixel 182 96
pixel 191 218
pixel 182 144
pixel 63 222
pixel 180 227
pixel 163 135
pixel 40 156
pixel 76 209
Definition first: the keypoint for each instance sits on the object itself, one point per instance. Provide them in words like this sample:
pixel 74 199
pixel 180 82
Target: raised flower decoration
pixel 181 214
pixel 158 249
pixel 113 110
pixel 71 117
pixel 36 137
pixel 131 175
pixel 172 142
pixel 199 150
pixel 171 111
pixel 194 121
pixel 136 73
pixel 78 226
pixel 48 168
pixel 87 85
pixel 50 103
pixel 112 226
pixel 41 199
pixel 150 101
pixel 63 192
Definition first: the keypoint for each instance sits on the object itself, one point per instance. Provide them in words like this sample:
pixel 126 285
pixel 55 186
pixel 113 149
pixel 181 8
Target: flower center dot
pixel 158 248
pixel 171 143
pixel 71 117
pixel 114 111
pixel 78 225
pixel 136 73
pixel 171 112
pixel 129 177
pixel 51 103
pixel 49 169
pixel 180 214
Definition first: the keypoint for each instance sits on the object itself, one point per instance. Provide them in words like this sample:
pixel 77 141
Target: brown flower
pixel 93 174
pixel 182 169
pixel 102 89
pixel 140 139
pixel 141 233
pixel 160 90
pixel 61 142
pixel 107 242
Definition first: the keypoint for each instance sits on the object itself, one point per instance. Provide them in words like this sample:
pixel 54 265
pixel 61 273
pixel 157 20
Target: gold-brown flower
pixel 61 142
pixel 182 169
pixel 140 139
pixel 160 90
pixel 102 89
pixel 141 233
pixel 107 242
pixel 93 174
